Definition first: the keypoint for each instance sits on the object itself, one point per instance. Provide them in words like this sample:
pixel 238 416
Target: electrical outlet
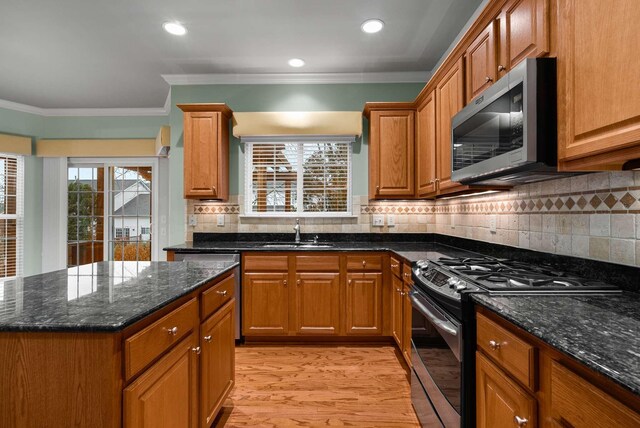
pixel 220 220
pixel 391 220
pixel 377 220
pixel 493 220
pixel 193 220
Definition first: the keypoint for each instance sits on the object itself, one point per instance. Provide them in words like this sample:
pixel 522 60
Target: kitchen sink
pixel 295 245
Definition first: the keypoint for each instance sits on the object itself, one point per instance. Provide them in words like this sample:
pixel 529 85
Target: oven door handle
pixel 438 322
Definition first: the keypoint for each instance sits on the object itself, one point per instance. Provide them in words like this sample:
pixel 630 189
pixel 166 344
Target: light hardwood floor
pixel 291 386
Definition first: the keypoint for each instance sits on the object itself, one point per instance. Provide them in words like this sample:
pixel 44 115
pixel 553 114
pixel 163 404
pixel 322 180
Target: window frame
pixel 120 162
pixel 18 217
pixel 250 142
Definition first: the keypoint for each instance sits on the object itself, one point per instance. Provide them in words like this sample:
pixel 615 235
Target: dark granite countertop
pixel 105 296
pixel 602 332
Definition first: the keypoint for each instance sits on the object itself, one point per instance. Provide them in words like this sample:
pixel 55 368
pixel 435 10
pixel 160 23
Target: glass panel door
pixel 85 217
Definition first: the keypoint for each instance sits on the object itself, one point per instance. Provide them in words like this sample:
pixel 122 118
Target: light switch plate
pixel 391 220
pixel 453 221
pixel 193 220
pixel 493 220
pixel 220 220
pixel 377 220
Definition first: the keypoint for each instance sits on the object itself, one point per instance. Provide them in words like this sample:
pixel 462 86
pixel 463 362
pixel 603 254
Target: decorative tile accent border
pixel 216 209
pixel 624 200
pixel 396 209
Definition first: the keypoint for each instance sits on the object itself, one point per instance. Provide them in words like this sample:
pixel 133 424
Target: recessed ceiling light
pixel 174 28
pixel 296 62
pixel 372 26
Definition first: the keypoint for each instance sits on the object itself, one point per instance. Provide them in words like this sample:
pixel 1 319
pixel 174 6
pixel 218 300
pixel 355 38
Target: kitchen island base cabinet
pixel 217 362
pixel 166 394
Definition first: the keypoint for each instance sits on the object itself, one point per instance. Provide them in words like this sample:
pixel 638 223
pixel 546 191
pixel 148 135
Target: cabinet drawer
pixel 513 354
pixel 317 263
pixel 364 262
pixel 396 267
pixel 149 343
pixel 218 295
pixel 406 273
pixel 581 404
pixel 265 263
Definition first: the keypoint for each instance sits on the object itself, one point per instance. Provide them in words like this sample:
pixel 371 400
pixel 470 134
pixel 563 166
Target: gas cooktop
pixel 495 274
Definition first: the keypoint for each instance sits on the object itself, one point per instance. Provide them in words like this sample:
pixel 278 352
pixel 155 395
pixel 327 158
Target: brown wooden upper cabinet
pixel 598 90
pixel 449 94
pixel 391 150
pixel 426 147
pixel 206 151
pixel 521 30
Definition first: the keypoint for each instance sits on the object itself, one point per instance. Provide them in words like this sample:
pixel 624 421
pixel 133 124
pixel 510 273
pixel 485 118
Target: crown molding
pixel 87 112
pixel 296 78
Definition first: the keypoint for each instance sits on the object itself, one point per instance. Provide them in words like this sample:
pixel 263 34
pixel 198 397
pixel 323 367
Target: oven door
pixel 436 357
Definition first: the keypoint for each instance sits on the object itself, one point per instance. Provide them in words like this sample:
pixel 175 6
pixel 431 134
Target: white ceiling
pixel 113 53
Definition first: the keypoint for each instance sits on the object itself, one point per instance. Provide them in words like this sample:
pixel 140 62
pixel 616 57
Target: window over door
pixel 301 176
pixel 119 196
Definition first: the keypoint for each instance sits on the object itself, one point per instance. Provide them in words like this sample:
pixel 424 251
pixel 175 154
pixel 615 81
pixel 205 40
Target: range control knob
pixel 460 286
pixel 452 282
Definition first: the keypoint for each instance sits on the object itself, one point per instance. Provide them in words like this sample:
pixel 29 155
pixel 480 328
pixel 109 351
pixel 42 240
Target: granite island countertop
pixel 104 296
pixel 599 331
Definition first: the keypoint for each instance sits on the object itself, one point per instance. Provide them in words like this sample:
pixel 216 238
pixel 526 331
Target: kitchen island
pixel 113 343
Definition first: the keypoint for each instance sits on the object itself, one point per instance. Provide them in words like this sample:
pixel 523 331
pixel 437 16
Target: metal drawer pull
pixel 222 293
pixel 521 421
pixel 494 345
pixel 197 350
pixel 394 266
pixel 207 338
pixel 172 331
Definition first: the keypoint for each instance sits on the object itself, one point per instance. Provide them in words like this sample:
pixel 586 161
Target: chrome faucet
pixel 297 229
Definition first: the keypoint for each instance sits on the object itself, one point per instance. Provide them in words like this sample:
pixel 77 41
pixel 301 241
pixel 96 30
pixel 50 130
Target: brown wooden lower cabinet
pixel 522 381
pixel 397 310
pixel 317 303
pixel 500 401
pixel 407 325
pixel 167 393
pixel 265 303
pixel 364 303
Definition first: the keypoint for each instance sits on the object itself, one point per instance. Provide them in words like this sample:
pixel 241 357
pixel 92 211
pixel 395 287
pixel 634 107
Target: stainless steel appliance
pixel 218 258
pixel 507 135
pixel 443 346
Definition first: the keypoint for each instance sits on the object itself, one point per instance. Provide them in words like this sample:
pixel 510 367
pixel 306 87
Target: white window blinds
pixel 310 177
pixel 11 215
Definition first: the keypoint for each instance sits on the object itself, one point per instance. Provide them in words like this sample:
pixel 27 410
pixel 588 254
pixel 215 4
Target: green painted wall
pixel 343 97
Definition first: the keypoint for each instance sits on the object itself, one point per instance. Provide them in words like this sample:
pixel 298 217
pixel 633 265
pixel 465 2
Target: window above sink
pixel 298 176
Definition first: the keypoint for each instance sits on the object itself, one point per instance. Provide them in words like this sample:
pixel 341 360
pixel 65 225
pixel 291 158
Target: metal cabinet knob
pixel 501 67
pixel 494 345
pixel 377 189
pixel 521 421
pixel 196 350
pixel 488 79
pixel 298 282
pixel 172 331
pixel 207 338
pixel 398 290
pixel 350 282
pixel 222 293
pixel 364 263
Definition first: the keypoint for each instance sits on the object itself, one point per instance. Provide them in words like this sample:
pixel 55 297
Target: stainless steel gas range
pixel 443 334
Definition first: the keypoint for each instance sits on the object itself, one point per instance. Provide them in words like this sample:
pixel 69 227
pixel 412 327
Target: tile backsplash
pixel 593 216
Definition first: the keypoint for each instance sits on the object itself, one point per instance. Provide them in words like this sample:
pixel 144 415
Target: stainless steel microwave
pixel 507 135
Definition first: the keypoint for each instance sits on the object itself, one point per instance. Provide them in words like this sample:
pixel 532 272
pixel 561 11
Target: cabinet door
pixel 317 300
pixel 449 100
pixel 407 312
pixel 500 401
pixel 265 302
pixel 391 156
pixel 201 139
pixel 165 395
pixel 217 363
pixel 396 309
pixel 524 32
pixel 481 69
pixel 598 90
pixel 426 147
pixel 364 303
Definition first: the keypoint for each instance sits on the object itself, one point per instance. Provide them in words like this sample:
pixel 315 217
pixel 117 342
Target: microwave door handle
pixel 443 324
